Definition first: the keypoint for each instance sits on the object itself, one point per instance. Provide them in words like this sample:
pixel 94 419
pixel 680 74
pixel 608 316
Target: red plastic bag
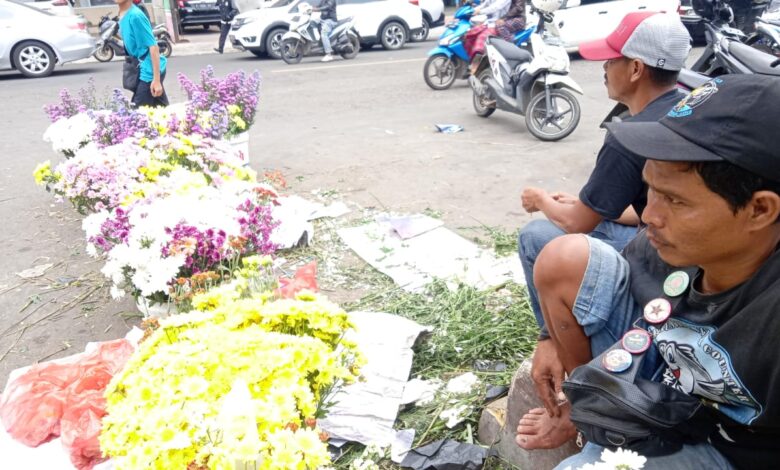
pixel 65 397
pixel 305 278
pixel 80 428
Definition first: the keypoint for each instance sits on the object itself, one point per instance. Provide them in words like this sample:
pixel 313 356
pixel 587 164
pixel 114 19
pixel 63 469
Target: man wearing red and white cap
pixel 643 57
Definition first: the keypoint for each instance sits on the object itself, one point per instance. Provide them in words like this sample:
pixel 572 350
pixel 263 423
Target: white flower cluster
pixel 621 459
pixel 67 135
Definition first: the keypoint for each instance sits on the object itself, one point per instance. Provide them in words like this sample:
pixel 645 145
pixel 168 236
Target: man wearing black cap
pixel 711 246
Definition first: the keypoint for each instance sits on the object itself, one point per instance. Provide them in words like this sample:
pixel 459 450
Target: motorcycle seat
pixel 344 21
pixel 510 52
pixel 757 61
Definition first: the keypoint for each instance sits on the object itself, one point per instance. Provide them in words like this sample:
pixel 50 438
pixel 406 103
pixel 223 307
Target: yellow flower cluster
pixel 169 407
pixel 44 175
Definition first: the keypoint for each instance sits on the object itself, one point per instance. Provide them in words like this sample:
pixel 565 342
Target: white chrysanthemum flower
pixel 623 459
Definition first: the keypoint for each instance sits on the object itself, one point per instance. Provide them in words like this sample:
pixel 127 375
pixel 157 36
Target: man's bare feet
pixel 537 430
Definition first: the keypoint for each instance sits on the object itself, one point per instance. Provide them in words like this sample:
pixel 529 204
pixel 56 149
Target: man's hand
pixel 564 198
pixel 156 88
pixel 547 373
pixel 531 199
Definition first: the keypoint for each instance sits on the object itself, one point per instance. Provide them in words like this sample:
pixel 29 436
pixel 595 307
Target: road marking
pixel 362 64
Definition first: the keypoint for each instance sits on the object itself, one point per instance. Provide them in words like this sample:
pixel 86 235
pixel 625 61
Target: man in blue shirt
pixel 140 43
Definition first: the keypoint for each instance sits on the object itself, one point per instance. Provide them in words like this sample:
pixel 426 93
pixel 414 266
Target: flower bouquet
pixel 241 383
pixel 206 230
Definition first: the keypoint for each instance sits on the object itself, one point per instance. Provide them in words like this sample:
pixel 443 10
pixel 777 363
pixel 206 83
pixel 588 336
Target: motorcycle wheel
pixel 564 120
pixel 104 54
pixel 481 102
pixel 355 43
pixel 292 51
pixel 439 72
pixel 165 48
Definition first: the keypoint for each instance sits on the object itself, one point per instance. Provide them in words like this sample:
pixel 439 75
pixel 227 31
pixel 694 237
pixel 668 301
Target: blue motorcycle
pixel 449 60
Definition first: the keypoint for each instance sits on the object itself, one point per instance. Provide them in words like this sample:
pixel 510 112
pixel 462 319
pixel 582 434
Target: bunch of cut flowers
pixel 207 229
pixel 243 380
pixel 134 170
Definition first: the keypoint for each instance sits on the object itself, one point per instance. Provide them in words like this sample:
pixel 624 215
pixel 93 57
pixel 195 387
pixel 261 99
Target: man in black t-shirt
pixel 710 253
pixel 643 58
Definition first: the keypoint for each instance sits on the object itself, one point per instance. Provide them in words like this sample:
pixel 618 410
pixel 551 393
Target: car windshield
pixel 25 5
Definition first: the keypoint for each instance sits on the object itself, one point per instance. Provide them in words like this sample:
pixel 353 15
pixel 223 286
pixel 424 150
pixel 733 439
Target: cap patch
pixel 695 99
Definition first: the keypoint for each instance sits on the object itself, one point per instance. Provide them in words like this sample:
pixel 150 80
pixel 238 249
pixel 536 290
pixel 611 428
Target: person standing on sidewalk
pixel 141 44
pixel 328 21
pixel 226 12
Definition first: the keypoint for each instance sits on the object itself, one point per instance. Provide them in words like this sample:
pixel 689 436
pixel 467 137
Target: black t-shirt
pixel 723 348
pixel 616 181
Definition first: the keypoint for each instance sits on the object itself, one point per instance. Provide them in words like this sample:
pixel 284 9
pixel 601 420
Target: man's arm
pixel 156 85
pixel 567 212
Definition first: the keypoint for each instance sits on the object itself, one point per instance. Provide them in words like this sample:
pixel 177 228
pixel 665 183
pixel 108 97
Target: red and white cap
pixel 657 39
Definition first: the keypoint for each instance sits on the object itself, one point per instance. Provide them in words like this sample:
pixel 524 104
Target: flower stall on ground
pixel 240 370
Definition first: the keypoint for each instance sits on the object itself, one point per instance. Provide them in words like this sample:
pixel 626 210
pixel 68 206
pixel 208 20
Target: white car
pixel 388 22
pixel 590 20
pixel 433 16
pixel 33 41
pixel 55 7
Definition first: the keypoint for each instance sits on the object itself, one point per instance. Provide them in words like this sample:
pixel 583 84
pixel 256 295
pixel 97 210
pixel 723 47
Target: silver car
pixel 33 41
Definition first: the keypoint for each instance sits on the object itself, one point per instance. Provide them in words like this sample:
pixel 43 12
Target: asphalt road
pixel 364 128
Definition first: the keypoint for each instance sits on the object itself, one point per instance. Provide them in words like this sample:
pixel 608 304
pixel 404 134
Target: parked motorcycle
pixel 110 44
pixel 726 52
pixel 449 60
pixel 767 35
pixel 532 83
pixel 304 37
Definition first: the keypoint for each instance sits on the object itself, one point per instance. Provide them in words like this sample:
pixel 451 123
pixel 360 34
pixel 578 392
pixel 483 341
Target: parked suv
pixel 387 22
pixel 586 20
pixel 433 16
pixel 198 13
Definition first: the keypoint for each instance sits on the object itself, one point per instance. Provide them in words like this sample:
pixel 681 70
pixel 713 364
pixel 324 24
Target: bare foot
pixel 537 430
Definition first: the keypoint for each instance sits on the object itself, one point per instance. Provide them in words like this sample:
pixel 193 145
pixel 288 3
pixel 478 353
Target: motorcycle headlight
pixel 449 40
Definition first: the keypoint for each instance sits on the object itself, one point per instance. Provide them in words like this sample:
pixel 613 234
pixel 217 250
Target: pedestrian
pixel 140 43
pixel 328 21
pixel 227 12
pixel 142 7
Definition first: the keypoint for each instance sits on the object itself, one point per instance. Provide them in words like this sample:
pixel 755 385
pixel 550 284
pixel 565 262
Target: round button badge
pixel 657 311
pixel 636 341
pixel 676 283
pixel 617 360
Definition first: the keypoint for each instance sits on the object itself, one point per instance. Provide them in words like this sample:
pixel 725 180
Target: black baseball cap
pixel 733 118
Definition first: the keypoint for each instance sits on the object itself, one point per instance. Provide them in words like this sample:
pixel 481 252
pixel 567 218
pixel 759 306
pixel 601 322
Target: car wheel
pixel 393 36
pixel 273 43
pixel 257 52
pixel 34 59
pixel 423 34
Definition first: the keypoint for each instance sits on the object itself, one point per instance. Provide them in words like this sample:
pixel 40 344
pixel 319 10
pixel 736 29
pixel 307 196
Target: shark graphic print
pixel 699 366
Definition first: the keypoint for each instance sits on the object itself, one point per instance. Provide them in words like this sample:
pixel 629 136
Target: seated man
pixel 713 226
pixel 643 57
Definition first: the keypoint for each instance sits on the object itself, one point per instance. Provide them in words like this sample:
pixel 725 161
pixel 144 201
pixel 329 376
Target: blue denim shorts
pixel 604 306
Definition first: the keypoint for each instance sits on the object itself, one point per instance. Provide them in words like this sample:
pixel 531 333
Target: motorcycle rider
pixel 513 21
pixel 227 12
pixel 494 9
pixel 746 13
pixel 328 21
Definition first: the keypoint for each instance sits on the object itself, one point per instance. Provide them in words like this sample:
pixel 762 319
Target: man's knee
pixel 535 235
pixel 562 261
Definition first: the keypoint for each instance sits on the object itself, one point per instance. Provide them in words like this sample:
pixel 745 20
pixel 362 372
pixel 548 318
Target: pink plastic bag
pixel 64 398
